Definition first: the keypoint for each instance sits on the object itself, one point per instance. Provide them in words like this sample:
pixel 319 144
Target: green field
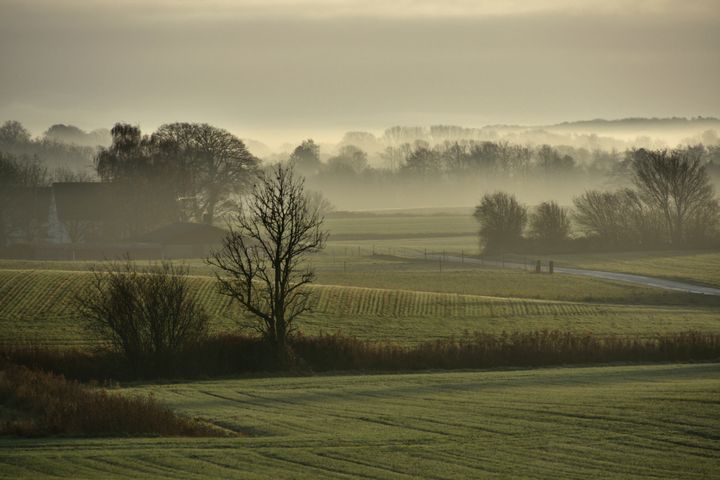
pixel 37 306
pixel 627 422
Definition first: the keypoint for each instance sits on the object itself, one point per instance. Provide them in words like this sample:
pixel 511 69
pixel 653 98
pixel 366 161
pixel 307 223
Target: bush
pixel 502 220
pixel 149 315
pixel 50 405
pixel 619 219
pixel 549 224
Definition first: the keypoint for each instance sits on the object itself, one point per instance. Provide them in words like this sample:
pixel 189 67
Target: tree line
pixel 182 171
pixel 671 202
pixel 197 172
pixel 449 161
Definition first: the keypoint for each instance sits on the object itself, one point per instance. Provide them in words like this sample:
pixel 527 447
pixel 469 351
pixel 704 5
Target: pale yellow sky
pixel 385 8
pixel 274 69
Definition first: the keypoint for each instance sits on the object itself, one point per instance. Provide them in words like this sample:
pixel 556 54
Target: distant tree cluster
pixel 183 171
pixel 51 151
pixel 449 161
pixel 672 203
pixel 71 134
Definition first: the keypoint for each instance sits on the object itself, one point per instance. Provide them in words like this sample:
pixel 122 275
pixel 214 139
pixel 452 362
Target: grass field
pixel 698 267
pixel 37 306
pixel 627 422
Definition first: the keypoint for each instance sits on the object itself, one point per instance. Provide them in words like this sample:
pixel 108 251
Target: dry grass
pixel 48 404
pixel 231 354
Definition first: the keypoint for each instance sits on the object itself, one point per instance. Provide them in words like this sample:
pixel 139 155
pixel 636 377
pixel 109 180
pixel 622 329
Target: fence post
pixel 551 267
pixel 538 266
pixel 462 256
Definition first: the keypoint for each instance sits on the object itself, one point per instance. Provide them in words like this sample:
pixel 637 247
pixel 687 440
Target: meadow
pixel 627 422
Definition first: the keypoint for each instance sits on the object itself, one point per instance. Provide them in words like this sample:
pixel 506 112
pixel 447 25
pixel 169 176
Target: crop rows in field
pixel 40 293
pixel 37 306
pixel 50 294
pixel 404 303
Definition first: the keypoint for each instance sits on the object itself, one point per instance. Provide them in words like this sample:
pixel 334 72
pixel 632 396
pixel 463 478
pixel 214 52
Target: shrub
pixel 618 218
pixel 51 405
pixel 502 220
pixel 550 224
pixel 147 314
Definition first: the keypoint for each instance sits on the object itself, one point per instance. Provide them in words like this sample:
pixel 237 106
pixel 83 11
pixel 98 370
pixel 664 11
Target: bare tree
pixel 262 260
pixel 674 182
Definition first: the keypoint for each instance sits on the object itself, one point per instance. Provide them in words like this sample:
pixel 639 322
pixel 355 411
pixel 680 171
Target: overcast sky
pixel 287 69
